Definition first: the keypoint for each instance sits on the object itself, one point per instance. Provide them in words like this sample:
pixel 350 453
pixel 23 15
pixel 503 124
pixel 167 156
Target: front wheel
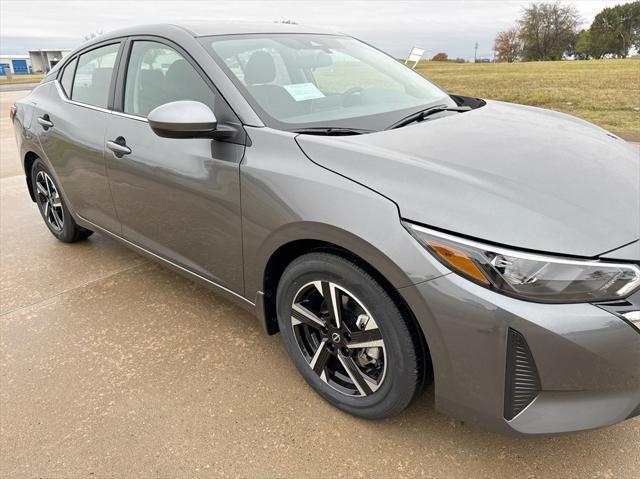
pixel 347 337
pixel 52 208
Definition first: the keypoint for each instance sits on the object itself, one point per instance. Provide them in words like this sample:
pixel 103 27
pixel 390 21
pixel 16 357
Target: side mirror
pixel 186 119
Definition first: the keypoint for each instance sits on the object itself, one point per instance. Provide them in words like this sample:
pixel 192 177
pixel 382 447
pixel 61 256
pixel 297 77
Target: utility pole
pixel 475 54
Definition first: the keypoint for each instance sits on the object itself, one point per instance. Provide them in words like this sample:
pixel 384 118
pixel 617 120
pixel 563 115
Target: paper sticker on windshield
pixel 304 91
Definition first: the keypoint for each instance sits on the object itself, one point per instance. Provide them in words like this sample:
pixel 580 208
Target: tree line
pixel 550 31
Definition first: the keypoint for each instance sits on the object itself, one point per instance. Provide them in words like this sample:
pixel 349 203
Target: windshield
pixel 296 81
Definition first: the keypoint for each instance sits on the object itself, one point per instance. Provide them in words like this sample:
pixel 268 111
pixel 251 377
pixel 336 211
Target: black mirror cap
pixel 183 119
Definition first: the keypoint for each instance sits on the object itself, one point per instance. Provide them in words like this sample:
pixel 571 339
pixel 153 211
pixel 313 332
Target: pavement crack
pixel 69 290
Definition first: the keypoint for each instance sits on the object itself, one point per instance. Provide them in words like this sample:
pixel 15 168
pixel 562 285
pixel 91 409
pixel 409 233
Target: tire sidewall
pixel 68 224
pixel 399 385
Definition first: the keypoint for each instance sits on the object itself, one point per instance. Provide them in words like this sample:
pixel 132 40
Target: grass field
pixel 35 78
pixel 605 92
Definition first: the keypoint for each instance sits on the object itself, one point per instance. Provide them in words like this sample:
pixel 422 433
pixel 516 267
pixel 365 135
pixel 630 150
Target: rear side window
pixel 93 76
pixel 158 74
pixel 67 77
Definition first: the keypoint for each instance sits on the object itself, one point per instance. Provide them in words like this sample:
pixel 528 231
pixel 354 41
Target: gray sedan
pixel 393 233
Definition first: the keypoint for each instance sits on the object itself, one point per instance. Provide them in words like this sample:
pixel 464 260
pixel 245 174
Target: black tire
pixel 59 220
pixel 403 353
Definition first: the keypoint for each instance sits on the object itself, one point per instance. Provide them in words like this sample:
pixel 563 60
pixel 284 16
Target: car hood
pixel 509 174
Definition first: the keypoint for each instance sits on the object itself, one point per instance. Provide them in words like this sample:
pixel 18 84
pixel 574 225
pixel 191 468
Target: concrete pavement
pixel 18 87
pixel 112 366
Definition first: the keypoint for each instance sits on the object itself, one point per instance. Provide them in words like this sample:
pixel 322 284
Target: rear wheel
pixel 52 207
pixel 347 337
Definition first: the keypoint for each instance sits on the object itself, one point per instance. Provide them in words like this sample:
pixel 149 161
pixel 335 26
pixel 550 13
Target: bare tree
pixel 548 30
pixel 508 45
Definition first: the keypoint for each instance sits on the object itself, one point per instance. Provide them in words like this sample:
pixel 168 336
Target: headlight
pixel 532 277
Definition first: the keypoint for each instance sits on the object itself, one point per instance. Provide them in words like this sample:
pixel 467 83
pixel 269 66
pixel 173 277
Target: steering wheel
pixel 352 96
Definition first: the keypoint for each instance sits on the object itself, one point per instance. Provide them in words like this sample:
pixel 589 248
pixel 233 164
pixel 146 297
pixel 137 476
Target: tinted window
pixel 157 74
pixel 67 77
pixel 93 76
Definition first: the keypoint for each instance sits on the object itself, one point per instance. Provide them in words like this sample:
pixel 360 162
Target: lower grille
pixel 522 380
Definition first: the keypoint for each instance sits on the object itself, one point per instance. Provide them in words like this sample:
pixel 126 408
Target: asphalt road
pixel 111 366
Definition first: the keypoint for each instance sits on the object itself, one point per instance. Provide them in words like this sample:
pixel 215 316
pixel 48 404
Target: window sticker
pixel 303 91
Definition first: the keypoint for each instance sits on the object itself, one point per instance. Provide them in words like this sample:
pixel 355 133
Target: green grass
pixel 605 92
pixel 35 78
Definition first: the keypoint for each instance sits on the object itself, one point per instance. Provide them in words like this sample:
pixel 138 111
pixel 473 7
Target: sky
pixel 452 26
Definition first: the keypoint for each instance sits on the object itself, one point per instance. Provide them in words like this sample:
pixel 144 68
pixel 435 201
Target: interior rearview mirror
pixel 315 60
pixel 186 119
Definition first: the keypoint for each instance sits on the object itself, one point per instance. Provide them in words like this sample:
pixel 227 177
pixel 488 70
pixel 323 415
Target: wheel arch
pixel 290 251
pixel 29 159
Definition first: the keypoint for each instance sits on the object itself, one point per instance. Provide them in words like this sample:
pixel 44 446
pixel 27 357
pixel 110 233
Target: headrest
pixel 100 78
pixel 151 77
pixel 260 68
pixel 180 71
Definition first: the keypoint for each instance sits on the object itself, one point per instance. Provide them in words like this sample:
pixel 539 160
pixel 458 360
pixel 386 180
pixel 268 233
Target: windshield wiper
pixel 422 114
pixel 331 131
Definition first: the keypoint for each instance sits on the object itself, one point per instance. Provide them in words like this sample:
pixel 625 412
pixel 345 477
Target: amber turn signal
pixel 459 261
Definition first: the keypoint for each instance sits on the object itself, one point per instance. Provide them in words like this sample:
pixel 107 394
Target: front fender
pixel 286 198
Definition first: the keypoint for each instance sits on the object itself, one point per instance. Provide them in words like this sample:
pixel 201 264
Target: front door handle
pixel 45 122
pixel 119 147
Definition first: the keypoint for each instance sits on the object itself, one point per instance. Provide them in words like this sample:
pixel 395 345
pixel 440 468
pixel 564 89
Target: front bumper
pixel 587 358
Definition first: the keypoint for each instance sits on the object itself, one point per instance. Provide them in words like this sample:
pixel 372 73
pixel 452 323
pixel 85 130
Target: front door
pixel 177 198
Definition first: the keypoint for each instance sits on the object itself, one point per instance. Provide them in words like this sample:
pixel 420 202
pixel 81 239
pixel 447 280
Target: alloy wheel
pixel 49 201
pixel 339 338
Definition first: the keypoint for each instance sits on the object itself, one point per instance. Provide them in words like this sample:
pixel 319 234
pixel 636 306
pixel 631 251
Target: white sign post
pixel 414 56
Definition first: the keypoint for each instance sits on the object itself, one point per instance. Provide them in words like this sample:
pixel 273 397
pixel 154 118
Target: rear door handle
pixel 45 122
pixel 119 147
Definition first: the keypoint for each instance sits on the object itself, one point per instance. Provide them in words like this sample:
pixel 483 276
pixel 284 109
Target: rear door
pixel 71 123
pixel 177 198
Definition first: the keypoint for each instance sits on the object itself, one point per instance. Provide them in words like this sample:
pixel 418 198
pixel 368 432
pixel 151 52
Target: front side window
pixel 158 74
pixel 93 76
pixel 67 77
pixel 298 81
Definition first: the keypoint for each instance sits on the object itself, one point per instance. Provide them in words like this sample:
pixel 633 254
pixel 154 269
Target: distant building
pixel 15 64
pixel 45 60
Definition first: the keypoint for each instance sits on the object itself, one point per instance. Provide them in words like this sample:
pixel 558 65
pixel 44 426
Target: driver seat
pixel 259 75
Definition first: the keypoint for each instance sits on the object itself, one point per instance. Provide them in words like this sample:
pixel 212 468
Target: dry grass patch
pixel 605 92
pixel 35 78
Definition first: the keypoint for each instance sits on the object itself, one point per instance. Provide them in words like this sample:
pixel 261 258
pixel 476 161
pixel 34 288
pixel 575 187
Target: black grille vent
pixel 522 382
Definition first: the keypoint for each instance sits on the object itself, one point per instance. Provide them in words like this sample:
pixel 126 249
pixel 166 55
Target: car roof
pixel 204 29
